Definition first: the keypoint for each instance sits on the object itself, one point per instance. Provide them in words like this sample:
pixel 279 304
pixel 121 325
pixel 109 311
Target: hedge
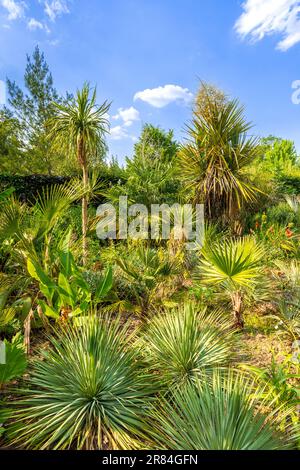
pixel 27 188
pixel 287 184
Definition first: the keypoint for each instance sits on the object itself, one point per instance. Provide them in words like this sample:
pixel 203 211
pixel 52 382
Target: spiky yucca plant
pixel 183 344
pixel 89 392
pixel 221 414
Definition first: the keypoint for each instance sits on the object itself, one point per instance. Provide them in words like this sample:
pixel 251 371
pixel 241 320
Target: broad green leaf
pixel 23 306
pixel 49 312
pixel 39 274
pixel 78 281
pixel 66 291
pixel 105 285
pixel 76 313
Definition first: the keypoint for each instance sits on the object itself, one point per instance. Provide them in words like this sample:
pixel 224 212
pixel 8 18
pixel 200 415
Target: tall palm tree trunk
pixel 85 178
pixel 85 216
pixel 81 124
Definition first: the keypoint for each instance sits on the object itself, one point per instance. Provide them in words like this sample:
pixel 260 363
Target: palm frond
pixel 217 151
pixel 233 263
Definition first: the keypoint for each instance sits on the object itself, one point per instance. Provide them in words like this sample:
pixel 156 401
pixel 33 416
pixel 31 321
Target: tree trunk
pixel 81 155
pixel 27 331
pixel 84 217
pixel 237 310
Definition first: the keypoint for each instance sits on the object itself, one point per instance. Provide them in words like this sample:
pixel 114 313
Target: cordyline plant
pixel 80 126
pixel 218 149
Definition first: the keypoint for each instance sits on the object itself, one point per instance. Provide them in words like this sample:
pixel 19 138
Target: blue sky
pixel 147 56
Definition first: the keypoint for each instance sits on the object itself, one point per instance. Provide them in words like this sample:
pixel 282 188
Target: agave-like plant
pixel 235 267
pixel 89 391
pixel 186 344
pixel 223 413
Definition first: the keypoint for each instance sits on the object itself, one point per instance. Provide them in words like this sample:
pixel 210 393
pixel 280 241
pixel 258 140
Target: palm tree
pixel 234 266
pixel 81 124
pixel 218 149
pixel 34 238
pixel 31 234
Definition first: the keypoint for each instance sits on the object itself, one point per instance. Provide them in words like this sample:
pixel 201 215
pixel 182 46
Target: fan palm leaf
pixel 232 263
pixel 234 266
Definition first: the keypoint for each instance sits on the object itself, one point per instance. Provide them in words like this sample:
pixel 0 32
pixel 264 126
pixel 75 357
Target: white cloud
pixel 14 9
pixel 119 133
pixel 128 116
pixel 54 42
pixel 268 17
pixel 53 9
pixel 34 24
pixel 164 95
pixel 56 8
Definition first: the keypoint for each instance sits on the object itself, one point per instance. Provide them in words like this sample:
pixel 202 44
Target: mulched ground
pixel 259 349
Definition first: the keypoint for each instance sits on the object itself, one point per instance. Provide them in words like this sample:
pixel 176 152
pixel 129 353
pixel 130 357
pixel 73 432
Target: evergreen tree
pixel 11 158
pixel 150 173
pixel 32 108
pixel 278 155
pixel 155 143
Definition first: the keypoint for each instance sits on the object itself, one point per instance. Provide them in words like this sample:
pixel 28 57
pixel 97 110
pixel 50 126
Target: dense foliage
pixel 135 343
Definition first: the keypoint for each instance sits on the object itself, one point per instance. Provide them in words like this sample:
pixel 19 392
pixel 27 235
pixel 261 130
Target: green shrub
pixel 28 187
pixel 288 183
pixel 281 214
